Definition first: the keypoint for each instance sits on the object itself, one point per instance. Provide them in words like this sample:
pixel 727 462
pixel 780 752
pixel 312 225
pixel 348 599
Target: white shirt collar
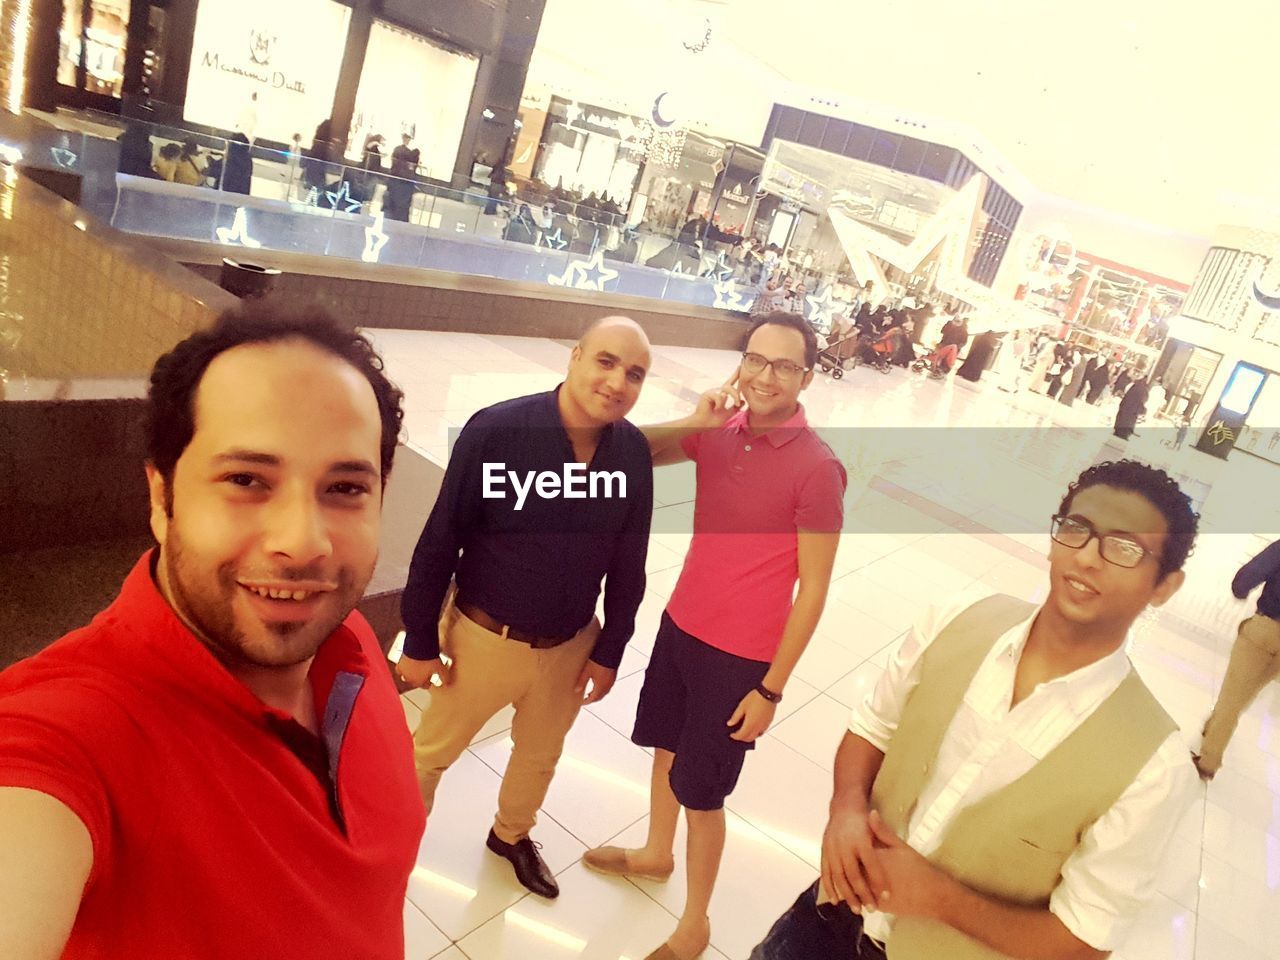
pixel 1084 687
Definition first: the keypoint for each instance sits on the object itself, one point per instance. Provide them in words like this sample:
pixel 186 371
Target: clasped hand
pixel 869 867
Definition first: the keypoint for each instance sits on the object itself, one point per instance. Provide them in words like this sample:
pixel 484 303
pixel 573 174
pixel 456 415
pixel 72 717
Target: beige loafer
pixel 613 861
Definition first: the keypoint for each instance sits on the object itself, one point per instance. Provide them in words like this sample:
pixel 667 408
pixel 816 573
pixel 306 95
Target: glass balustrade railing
pixel 166 181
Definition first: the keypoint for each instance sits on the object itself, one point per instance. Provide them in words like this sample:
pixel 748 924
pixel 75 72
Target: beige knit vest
pixel 1012 844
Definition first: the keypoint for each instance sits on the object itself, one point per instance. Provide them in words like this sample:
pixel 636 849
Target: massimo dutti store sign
pixel 287 52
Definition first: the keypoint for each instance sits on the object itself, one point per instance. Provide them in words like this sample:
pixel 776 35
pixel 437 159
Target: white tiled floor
pixel 1220 894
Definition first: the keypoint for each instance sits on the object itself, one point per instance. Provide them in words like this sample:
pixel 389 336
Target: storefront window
pixel 268 70
pixel 91 45
pixel 591 150
pixel 411 86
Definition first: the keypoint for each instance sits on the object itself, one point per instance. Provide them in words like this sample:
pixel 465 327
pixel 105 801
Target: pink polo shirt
pixel 753 494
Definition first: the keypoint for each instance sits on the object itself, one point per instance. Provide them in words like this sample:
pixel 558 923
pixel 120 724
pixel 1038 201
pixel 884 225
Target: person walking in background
pixel 372 164
pixel 1097 381
pixel 1040 369
pixel 135 153
pixel 237 165
pixel 1133 407
pixel 315 165
pixel 397 202
pixel 189 168
pixel 166 167
pixel 1254 660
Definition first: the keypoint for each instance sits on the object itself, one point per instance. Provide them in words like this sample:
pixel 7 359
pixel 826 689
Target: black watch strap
pixel 768 694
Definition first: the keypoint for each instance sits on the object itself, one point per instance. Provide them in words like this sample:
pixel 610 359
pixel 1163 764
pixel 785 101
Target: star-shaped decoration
pixel 678 269
pixel 720 269
pixel 590 274
pixel 727 296
pixel 312 199
pixel 343 196
pixel 553 241
pixel 63 157
pixel 238 232
pixel 822 307
pixel 374 240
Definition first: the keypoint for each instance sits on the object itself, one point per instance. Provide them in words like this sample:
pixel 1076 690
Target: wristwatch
pixel 768 694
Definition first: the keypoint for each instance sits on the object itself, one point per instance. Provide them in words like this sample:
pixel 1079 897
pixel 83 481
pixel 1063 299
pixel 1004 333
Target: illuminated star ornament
pixel 63 157
pixel 822 307
pixel 720 269
pixel 343 196
pixel 238 232
pixel 374 240
pixel 590 274
pixel 727 296
pixel 553 241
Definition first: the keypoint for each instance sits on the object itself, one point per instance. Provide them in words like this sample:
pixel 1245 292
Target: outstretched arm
pixel 45 858
pixel 713 409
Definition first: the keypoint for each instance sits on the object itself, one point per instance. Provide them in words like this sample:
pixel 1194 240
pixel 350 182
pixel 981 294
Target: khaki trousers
pixel 489 673
pixel 1254 662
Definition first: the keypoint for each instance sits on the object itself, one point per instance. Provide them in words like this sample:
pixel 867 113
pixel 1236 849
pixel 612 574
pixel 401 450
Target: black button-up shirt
pixel 1265 569
pixel 537 568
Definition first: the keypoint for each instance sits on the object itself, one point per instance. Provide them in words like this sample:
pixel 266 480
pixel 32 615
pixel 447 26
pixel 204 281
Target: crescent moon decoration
pixel 701 44
pixel 658 120
pixel 1271 303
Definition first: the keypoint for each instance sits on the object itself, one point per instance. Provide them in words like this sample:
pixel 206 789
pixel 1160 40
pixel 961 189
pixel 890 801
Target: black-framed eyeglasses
pixel 754 363
pixel 1075 533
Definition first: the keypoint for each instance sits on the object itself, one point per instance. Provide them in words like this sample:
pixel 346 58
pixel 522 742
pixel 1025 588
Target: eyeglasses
pixel 754 363
pixel 1076 533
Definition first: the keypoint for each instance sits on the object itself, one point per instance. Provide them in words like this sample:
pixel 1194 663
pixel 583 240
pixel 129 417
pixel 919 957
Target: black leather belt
pixel 480 618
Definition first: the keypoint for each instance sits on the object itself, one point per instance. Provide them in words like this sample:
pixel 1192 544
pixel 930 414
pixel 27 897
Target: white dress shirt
pixel 1111 876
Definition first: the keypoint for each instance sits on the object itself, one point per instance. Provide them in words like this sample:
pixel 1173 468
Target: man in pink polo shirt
pixel 768 512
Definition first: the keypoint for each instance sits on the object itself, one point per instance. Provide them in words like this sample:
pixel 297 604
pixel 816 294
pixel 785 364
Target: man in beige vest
pixel 1009 787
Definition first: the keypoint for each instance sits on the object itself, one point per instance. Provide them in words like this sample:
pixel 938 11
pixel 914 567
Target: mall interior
pixel 473 183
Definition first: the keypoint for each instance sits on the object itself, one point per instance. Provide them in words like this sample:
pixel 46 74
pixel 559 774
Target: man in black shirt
pixel 543 497
pixel 1255 657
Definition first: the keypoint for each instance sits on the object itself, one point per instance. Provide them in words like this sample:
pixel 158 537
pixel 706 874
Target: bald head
pixel 615 324
pixel 607 369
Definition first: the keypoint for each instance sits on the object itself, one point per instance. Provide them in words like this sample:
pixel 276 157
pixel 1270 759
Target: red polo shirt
pixel 220 826
pixel 754 493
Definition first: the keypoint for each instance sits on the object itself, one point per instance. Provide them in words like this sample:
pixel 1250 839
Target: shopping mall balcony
pixel 281 208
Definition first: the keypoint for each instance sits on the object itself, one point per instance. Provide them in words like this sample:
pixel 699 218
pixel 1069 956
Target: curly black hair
pixel 169 420
pixel 1160 489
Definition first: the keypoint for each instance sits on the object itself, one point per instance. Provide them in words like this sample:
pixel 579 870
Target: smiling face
pixel 269 534
pixel 606 371
pixel 769 396
pixel 1092 593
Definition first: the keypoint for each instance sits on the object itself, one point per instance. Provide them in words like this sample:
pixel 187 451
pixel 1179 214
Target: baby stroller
pixel 877 354
pixel 837 355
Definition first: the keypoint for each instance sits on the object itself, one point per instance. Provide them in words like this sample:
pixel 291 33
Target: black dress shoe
pixel 531 870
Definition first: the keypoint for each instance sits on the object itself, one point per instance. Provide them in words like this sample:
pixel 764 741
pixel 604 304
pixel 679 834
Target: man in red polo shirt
pixel 217 766
pixel 767 513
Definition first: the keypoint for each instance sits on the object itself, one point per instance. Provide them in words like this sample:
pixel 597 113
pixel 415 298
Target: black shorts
pixel 690 691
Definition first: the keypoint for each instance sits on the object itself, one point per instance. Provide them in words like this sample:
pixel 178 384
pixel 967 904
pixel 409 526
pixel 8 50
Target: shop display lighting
pixel 18 29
